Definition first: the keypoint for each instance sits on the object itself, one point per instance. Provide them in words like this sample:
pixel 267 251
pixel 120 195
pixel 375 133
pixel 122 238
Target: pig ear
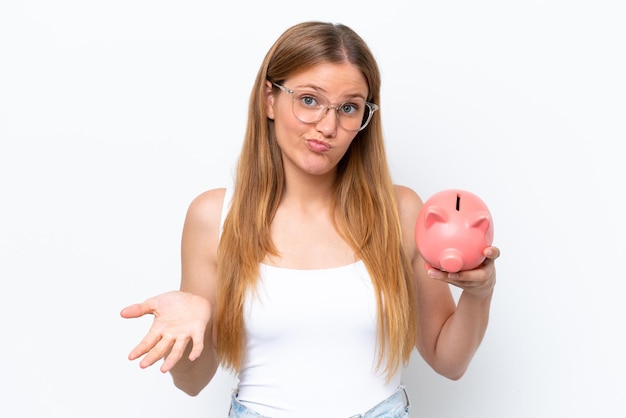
pixel 435 214
pixel 480 220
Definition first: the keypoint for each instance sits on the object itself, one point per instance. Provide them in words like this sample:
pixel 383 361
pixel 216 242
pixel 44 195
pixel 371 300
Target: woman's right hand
pixel 178 318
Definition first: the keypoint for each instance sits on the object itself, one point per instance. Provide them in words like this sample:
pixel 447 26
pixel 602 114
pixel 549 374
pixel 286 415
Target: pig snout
pixel 451 260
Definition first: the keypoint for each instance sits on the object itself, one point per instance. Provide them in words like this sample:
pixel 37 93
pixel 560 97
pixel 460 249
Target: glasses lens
pixel 311 108
pixel 307 107
pixel 367 114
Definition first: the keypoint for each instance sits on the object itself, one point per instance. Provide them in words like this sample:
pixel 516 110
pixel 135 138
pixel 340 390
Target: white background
pixel 114 115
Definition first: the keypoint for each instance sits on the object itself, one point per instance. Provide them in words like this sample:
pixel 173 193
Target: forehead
pixel 331 79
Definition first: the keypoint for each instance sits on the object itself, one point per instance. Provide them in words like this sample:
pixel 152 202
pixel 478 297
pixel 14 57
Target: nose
pixel 328 124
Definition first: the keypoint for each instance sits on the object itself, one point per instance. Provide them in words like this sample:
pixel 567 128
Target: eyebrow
pixel 323 91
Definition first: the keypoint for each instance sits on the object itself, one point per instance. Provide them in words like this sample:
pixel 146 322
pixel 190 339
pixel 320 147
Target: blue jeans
pixel 395 406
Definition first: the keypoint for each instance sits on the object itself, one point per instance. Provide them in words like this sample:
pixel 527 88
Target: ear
pixel 434 215
pixel 480 220
pixel 269 100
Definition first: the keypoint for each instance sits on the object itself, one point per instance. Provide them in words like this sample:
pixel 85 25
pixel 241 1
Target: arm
pixel 199 276
pixel 449 334
pixel 182 329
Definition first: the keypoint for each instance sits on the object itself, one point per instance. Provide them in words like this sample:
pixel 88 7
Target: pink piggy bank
pixel 452 230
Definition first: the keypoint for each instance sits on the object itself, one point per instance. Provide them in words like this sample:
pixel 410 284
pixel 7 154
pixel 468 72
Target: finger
pixel 159 351
pixel 147 344
pixel 491 252
pixel 473 280
pixel 465 282
pixel 136 310
pixel 198 345
pixel 436 273
pixel 175 354
pixel 464 278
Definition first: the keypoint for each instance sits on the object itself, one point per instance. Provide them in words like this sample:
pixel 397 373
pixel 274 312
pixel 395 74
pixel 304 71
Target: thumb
pixel 136 310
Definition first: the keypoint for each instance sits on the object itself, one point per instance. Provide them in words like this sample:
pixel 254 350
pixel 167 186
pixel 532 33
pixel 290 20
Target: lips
pixel 317 146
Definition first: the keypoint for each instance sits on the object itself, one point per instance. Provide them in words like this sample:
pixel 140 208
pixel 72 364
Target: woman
pixel 304 278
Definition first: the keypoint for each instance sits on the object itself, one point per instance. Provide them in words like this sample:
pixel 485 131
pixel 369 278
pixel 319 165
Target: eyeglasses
pixel 310 107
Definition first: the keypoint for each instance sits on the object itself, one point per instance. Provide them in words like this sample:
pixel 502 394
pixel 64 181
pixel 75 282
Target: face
pixel 315 148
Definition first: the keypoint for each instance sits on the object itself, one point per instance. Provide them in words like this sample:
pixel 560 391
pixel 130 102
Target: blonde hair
pixel 365 204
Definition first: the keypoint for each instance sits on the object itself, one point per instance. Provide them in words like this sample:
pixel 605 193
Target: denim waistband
pixel 395 406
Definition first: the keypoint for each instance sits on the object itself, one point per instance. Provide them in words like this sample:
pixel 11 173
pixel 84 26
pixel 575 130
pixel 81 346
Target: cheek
pixel 286 125
pixel 346 140
pixel 286 130
pixel 341 145
pixel 278 108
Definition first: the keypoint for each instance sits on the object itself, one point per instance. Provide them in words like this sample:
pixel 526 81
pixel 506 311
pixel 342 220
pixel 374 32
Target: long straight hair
pixel 364 204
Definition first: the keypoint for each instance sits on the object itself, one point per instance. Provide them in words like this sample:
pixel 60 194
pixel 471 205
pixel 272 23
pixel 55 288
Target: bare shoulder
pixel 203 222
pixel 205 210
pixel 200 241
pixel 409 202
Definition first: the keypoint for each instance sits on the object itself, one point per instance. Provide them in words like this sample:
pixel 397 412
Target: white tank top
pixel 311 340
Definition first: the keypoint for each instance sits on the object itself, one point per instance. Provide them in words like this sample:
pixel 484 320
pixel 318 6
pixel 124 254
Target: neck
pixel 309 189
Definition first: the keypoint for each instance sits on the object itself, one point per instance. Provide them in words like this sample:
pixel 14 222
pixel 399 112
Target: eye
pixel 308 100
pixel 349 108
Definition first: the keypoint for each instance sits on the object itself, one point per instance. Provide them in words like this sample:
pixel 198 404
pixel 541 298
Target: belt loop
pixel 406 396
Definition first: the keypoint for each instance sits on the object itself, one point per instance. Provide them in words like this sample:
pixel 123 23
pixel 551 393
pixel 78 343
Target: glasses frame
pixel 324 110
